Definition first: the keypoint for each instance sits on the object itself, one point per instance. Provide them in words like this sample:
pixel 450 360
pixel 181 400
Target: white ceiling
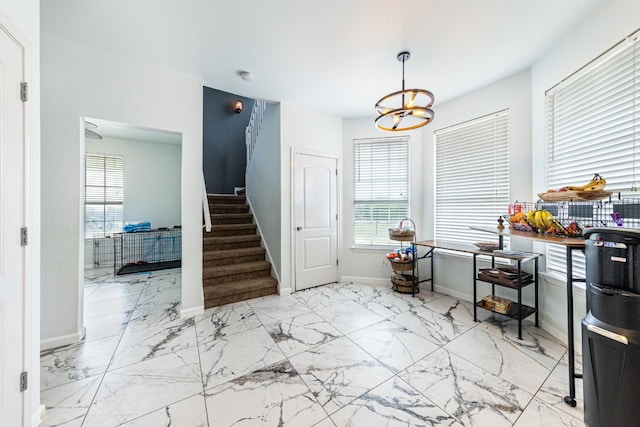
pixel 135 133
pixel 336 56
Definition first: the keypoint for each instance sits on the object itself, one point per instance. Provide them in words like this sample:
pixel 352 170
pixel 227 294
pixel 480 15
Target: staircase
pixel 233 262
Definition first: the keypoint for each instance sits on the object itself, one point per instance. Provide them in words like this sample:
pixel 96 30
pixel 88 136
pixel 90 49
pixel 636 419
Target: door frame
pixel 292 214
pixel 30 298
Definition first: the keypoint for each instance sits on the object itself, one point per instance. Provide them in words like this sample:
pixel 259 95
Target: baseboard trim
pixel 190 312
pixel 63 340
pixel 38 415
pixel 284 291
pixel 447 291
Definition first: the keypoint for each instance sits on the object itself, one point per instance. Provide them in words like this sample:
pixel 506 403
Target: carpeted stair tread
pixel 230 242
pixel 235 269
pixel 232 256
pixel 220 230
pixel 226 199
pixel 228 208
pixel 227 293
pixel 231 218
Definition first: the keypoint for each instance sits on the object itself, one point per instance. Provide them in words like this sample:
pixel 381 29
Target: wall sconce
pixel 237 107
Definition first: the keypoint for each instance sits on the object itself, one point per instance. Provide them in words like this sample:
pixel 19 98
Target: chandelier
pixel 405 109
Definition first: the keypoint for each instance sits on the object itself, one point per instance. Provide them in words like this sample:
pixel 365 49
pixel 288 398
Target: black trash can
pixel 611 329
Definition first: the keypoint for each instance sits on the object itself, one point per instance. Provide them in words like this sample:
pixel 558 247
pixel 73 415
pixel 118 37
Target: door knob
pixel 299 228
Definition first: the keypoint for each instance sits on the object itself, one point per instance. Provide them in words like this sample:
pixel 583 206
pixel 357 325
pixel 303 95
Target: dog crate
pixel 147 250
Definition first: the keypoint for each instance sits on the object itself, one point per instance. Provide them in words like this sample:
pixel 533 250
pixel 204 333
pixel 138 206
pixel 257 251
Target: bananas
pixel 597 183
pixel 543 221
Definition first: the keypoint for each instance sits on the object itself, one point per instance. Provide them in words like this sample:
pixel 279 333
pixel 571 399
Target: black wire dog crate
pixel 147 250
pixel 602 213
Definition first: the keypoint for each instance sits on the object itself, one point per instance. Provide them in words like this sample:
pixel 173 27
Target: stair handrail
pixel 205 206
pixel 253 128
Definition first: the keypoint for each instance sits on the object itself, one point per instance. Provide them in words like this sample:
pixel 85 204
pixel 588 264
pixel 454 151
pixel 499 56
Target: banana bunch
pixel 597 183
pixel 544 222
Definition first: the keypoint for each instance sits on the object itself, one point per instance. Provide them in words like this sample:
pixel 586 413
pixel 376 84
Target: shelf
pixel 506 277
pixel 515 308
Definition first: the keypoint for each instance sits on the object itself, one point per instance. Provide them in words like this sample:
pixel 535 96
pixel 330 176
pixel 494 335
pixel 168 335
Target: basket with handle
pixel 402 234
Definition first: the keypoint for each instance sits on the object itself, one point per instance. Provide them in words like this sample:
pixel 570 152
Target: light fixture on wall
pixel 237 107
pixel 405 109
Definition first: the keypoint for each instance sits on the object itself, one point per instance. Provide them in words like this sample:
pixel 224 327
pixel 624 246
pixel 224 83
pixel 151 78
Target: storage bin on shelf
pixel 404 283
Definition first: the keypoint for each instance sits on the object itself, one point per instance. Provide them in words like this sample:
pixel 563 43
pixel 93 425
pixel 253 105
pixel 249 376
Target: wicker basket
pixel 405 285
pixel 401 265
pixel 400 234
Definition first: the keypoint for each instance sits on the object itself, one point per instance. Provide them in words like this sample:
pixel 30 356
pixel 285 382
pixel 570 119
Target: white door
pixel 316 220
pixel 11 220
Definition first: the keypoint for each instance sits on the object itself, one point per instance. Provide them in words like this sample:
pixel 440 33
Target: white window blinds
pixel 103 194
pixel 380 188
pixel 592 126
pixel 472 177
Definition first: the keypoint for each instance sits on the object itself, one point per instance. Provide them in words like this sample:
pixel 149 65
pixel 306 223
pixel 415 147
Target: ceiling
pixel 335 56
pixel 106 128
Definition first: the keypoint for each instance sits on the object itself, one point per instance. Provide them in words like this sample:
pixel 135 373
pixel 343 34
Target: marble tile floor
pixel 345 354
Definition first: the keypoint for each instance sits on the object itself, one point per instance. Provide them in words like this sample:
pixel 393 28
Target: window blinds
pixel 103 194
pixel 592 126
pixel 472 177
pixel 380 188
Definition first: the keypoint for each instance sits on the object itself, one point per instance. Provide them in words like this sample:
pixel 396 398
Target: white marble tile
pixel 394 403
pixel 392 345
pixel 236 355
pixel 275 307
pixel 423 296
pixel 130 392
pixel 453 308
pixel 225 320
pixel 301 333
pixel 162 289
pixel 356 292
pixel 144 344
pixel 116 293
pixel 325 423
pixel 66 405
pixel 433 326
pixel 539 414
pixel 151 314
pixel 556 387
pixel 338 372
pixel 469 393
pixel 501 358
pixel 386 303
pixel 75 362
pixel 99 327
pixel 190 412
pixel 98 274
pixel 535 342
pixel 320 297
pixel 348 316
pixel 271 396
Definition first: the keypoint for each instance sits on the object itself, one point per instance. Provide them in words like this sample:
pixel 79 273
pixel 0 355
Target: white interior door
pixel 316 221
pixel 11 220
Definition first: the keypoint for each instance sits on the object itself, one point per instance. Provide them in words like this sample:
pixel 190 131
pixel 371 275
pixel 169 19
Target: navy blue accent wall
pixel 224 153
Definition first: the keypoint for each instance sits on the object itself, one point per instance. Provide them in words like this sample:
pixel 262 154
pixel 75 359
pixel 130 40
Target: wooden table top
pixel 574 242
pixel 472 249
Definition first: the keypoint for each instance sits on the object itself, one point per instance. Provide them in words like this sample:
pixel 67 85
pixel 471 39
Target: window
pixel 472 177
pixel 592 126
pixel 380 188
pixel 103 195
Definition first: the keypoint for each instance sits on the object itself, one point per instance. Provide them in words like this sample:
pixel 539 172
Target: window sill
pixel 371 248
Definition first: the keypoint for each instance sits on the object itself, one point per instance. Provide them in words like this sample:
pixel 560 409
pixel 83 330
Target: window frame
pixel 399 206
pixel 613 78
pixel 455 208
pixel 103 192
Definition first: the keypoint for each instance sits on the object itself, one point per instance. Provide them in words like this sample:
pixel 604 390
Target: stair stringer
pixel 263 243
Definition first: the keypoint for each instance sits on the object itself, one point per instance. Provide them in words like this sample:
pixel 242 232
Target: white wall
pixel 263 186
pixel 357 263
pixel 309 131
pixel 81 82
pixel 22 18
pixel 151 173
pixel 606 25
